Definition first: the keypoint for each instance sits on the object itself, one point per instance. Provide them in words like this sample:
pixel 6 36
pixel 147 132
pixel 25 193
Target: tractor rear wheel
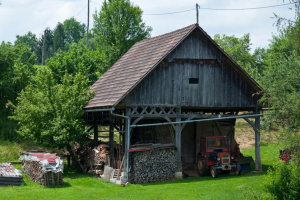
pixel 202 169
pixel 213 172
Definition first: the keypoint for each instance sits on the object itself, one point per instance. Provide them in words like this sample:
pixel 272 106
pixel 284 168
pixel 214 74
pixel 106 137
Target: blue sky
pixel 17 17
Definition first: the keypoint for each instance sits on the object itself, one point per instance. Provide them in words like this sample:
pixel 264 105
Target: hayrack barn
pixel 162 96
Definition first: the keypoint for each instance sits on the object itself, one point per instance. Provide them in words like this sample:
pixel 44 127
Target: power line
pixel 222 9
pixel 254 8
pixel 170 13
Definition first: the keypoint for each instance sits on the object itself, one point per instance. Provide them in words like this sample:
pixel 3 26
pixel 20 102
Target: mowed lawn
pixel 78 186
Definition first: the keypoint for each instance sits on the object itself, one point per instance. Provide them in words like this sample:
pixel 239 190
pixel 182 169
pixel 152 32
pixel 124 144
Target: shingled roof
pixel 136 64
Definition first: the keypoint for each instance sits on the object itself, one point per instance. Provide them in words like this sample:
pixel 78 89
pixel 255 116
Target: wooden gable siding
pixel 219 85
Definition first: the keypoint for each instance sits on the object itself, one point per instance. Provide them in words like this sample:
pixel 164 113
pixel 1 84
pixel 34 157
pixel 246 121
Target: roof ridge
pixel 169 33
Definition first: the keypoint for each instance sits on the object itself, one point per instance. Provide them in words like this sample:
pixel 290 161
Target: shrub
pixel 283 181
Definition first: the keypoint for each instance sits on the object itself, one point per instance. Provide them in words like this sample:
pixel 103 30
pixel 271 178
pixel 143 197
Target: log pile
pixel 157 164
pixel 92 158
pixel 99 158
pixel 10 175
pixel 43 168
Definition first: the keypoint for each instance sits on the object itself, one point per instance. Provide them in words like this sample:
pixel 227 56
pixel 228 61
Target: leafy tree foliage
pixel 49 109
pixel 282 79
pixel 59 37
pixel 28 39
pixel 282 93
pixel 78 59
pixel 283 181
pixel 51 113
pixel 74 30
pixel 63 35
pixel 16 68
pixel 118 26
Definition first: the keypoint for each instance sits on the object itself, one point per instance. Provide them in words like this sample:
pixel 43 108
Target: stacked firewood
pixel 53 178
pixel 153 166
pixel 43 168
pixel 99 158
pixel 34 170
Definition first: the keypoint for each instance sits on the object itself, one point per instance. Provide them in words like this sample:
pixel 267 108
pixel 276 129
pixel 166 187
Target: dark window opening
pixel 193 80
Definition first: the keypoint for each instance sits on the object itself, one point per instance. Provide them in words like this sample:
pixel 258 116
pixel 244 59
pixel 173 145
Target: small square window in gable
pixel 193 80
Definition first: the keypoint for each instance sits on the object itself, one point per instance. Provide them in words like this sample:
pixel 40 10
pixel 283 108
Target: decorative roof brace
pixel 201 120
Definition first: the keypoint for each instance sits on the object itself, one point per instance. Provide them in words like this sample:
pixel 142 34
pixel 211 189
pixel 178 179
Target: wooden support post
pixel 127 144
pixel 178 129
pixel 111 144
pixel 257 142
pixel 96 133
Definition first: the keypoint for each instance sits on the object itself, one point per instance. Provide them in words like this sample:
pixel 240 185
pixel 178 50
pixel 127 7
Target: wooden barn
pixel 162 96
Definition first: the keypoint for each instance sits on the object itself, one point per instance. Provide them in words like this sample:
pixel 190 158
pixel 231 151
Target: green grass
pixel 78 186
pixel 10 151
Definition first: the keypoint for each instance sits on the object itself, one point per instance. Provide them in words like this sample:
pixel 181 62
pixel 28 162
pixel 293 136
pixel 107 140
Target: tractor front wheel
pixel 213 172
pixel 201 167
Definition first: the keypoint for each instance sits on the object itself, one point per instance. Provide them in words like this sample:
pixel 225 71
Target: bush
pixel 283 181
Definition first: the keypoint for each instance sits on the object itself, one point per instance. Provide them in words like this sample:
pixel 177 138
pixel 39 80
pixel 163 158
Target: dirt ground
pixel 245 136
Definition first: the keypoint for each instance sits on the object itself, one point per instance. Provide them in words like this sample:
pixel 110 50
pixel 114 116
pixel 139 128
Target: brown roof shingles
pixel 133 66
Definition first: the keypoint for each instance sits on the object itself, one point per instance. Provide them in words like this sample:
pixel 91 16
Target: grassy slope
pixel 79 186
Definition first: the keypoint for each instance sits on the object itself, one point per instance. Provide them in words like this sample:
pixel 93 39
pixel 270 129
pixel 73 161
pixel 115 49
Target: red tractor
pixel 215 156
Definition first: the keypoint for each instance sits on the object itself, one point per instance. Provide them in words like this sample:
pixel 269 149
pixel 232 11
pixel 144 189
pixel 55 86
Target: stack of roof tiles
pixel 10 175
pixel 43 168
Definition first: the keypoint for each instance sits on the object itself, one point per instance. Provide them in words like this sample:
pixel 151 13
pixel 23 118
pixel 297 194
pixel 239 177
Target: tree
pixel 74 30
pixel 59 37
pixel 16 69
pixel 28 39
pixel 49 109
pixel 282 77
pixel 49 49
pixel 78 59
pixel 51 113
pixel 118 26
pixel 282 94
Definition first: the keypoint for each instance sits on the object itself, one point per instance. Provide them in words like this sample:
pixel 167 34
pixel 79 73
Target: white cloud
pixel 17 17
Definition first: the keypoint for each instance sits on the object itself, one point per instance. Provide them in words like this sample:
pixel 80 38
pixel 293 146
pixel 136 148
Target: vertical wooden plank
pixel 224 85
pixel 195 90
pixel 179 83
pixel 217 84
pixel 229 83
pixel 205 84
pixel 157 85
pixel 211 85
pixel 164 92
pixel 200 47
pixel 169 85
pixel 240 91
pixel 199 89
pixel 173 83
pixel 141 95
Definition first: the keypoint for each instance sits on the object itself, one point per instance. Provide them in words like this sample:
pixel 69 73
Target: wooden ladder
pixel 116 174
